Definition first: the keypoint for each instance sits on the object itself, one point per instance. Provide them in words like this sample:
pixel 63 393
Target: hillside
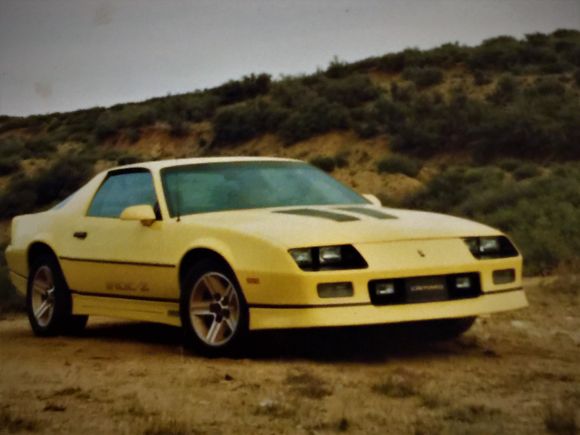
pixel 490 132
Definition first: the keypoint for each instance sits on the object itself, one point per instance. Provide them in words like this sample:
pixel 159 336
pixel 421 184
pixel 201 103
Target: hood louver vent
pixel 377 214
pixel 337 217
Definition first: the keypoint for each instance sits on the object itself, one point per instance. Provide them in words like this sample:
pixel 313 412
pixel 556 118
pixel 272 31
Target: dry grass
pixel 561 419
pixel 471 413
pixel 275 409
pixel 339 426
pixel 406 387
pixel 169 426
pixel 69 391
pixel 11 423
pixel 567 280
pixel 397 386
pixel 307 385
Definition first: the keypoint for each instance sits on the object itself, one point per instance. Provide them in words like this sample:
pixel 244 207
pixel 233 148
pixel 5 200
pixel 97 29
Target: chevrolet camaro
pixel 223 246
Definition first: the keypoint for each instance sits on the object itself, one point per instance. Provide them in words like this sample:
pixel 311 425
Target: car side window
pixel 123 190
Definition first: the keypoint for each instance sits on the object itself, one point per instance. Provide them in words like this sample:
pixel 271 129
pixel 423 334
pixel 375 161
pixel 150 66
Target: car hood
pixel 331 225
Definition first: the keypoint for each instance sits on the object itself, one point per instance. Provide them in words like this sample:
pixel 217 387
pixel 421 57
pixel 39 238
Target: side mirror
pixel 143 213
pixel 372 199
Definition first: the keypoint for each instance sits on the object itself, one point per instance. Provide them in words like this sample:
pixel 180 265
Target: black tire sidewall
pixel 63 305
pixel 191 340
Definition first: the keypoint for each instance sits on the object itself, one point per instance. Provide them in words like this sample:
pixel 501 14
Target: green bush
pixel 566 33
pixel 133 116
pixel 9 165
pixel 404 93
pixel 350 91
pixel 128 159
pixel 526 170
pixel 577 77
pixel 399 164
pixel 481 78
pixel 39 146
pixel 421 139
pixel 537 39
pixel 18 197
pixel 12 147
pixel 26 194
pixel 106 126
pixel 315 117
pixel 178 129
pixel 198 107
pixel 248 87
pixel 546 86
pixel 337 69
pixel 247 120
pixel 423 77
pixel 293 93
pixel 133 135
pixel 508 164
pixel 391 114
pixel 505 90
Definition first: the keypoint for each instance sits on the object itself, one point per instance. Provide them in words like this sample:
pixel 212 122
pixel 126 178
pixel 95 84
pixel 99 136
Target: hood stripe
pixel 368 212
pixel 337 217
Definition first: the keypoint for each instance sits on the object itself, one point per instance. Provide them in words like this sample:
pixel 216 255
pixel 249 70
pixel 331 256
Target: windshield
pixel 243 185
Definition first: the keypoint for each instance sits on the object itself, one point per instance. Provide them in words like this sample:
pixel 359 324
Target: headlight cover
pixel 340 257
pixel 484 248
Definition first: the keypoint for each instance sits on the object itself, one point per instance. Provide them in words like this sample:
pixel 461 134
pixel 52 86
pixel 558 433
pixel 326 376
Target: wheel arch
pixel 37 249
pixel 195 255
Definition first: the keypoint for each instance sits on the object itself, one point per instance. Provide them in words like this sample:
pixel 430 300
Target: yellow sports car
pixel 222 246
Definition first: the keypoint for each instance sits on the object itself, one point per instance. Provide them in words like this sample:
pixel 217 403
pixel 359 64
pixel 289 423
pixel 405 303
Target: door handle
pixel 80 235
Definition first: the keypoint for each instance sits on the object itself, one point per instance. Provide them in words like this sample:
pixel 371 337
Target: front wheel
pixel 214 312
pixel 48 301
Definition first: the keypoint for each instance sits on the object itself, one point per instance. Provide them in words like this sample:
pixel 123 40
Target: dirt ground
pixel 512 373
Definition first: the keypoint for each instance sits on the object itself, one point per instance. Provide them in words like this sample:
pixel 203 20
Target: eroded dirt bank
pixel 512 373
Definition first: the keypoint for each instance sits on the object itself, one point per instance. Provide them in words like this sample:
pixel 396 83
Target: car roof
pixel 160 164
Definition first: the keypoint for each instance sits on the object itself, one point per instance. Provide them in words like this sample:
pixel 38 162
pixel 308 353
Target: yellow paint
pixel 262 318
pixel 255 243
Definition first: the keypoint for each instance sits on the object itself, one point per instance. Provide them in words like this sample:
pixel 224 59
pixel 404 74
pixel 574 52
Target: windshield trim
pixel 178 213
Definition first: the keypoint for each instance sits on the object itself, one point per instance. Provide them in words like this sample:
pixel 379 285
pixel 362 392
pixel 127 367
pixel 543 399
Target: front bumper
pixel 280 317
pixel 290 299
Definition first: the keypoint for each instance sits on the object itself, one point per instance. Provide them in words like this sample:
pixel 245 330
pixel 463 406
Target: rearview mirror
pixel 372 199
pixel 142 212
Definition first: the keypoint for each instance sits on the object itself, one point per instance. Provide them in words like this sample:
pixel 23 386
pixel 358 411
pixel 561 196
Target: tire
pixel 214 312
pixel 48 300
pixel 448 329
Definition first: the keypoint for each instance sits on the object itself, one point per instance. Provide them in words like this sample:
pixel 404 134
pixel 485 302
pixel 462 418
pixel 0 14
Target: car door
pixel 119 257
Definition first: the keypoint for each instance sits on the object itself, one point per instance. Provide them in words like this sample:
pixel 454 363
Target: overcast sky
pixel 59 55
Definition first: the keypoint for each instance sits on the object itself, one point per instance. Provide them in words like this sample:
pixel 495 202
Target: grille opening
pixel 424 289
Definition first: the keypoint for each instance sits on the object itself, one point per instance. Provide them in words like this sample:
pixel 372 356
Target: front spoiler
pixel 284 317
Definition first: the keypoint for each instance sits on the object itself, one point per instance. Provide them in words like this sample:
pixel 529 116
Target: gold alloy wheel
pixel 214 309
pixel 43 301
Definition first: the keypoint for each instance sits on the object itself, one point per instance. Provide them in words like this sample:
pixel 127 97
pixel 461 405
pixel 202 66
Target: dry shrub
pixel 11 423
pixel 567 280
pixel 396 386
pixel 169 426
pixel 561 419
pixel 471 413
pixel 308 385
pixel 275 409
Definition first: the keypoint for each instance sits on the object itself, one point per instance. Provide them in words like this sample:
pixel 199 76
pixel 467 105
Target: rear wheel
pixel 214 312
pixel 48 300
